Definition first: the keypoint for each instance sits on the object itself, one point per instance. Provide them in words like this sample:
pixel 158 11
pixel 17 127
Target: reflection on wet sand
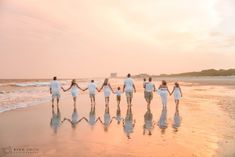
pixel 107 119
pixel 92 117
pixel 162 123
pixel 55 119
pixel 177 121
pixel 74 119
pixel 148 122
pixel 118 116
pixel 128 122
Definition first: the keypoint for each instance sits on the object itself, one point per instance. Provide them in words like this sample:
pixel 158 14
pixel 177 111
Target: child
pixel 74 90
pixel 177 94
pixel 118 95
pixel 107 91
pixel 92 91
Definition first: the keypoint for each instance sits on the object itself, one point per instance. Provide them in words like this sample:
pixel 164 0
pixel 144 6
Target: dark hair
pixel 106 80
pixel 164 82
pixel 92 81
pixel 118 88
pixel 129 75
pixel 54 78
pixel 176 84
pixel 150 79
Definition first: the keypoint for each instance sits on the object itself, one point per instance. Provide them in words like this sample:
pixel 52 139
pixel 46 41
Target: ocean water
pixel 15 94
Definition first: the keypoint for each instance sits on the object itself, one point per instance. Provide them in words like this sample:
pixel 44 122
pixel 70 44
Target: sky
pixel 92 38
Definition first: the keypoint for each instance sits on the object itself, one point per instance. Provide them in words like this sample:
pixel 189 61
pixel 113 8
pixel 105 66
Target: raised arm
pixel 173 90
pixel 85 89
pixel 79 87
pixel 68 88
pixel 100 88
pixel 111 88
pixel 168 90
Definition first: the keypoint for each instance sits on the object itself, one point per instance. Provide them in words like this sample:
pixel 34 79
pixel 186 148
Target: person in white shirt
pixel 149 89
pixel 129 88
pixel 92 88
pixel 144 86
pixel 55 88
pixel 118 95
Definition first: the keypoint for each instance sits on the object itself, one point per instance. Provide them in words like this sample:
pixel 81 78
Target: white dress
pixel 164 95
pixel 107 91
pixel 74 91
pixel 177 94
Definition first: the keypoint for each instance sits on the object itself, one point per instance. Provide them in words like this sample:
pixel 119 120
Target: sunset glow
pixel 77 38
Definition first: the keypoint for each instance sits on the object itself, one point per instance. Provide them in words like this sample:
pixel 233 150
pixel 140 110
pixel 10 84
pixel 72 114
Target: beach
pixel 206 129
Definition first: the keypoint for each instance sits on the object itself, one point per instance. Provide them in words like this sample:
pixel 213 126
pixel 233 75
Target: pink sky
pixel 84 38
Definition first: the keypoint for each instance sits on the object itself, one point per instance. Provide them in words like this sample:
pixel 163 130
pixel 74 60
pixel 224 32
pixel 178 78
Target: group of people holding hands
pixel 128 87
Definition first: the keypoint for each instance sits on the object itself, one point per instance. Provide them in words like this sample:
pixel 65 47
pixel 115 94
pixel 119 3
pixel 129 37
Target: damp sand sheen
pixel 203 127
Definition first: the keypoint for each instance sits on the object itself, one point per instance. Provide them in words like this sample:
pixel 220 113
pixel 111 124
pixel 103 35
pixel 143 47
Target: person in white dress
pixel 92 88
pixel 55 88
pixel 163 91
pixel 177 94
pixel 129 88
pixel 74 90
pixel 149 89
pixel 107 90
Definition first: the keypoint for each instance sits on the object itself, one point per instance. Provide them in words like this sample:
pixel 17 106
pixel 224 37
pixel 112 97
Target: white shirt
pixel 55 86
pixel 118 93
pixel 128 85
pixel 149 87
pixel 92 88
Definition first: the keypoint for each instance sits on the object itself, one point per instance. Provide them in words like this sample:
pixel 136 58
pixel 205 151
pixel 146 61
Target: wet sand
pixel 207 128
